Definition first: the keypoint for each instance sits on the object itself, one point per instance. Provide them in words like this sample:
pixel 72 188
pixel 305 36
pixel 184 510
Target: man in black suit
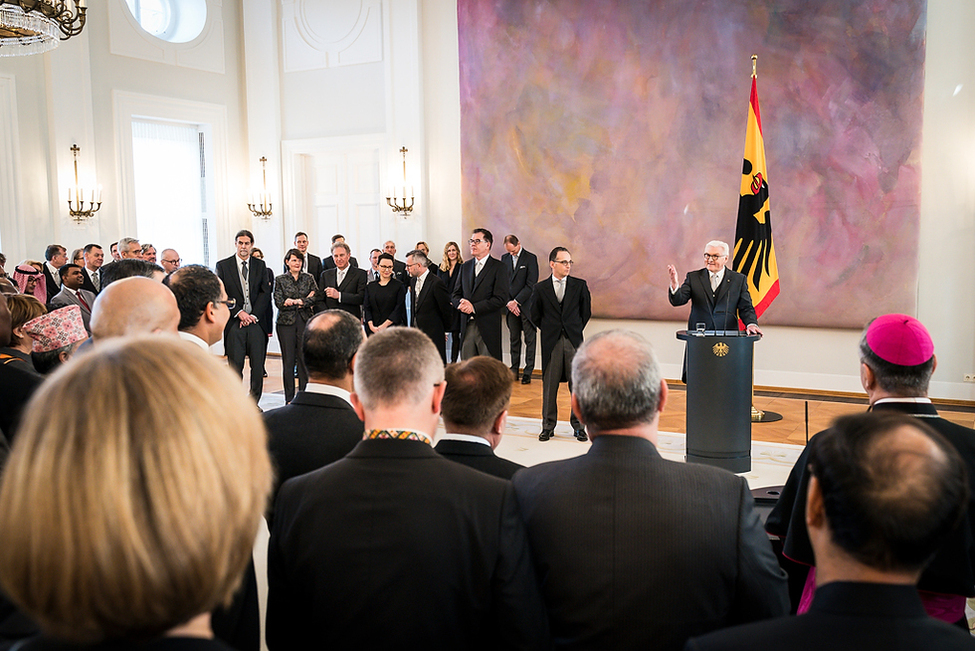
pixel 319 426
pixel 246 282
pixel 329 263
pixel 475 410
pixel 431 311
pixel 633 551
pixel 94 257
pixel 522 269
pixel 560 308
pixel 896 363
pixel 55 256
pixel 885 492
pixel 719 296
pixel 481 295
pixel 395 543
pixel 343 286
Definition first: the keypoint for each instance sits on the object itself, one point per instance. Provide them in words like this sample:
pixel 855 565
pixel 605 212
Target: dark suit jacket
pixel 846 617
pixel 329 263
pixel 353 290
pixel 431 311
pixel 553 319
pixel 88 285
pixel 489 294
pixel 523 279
pixel 952 570
pixel 260 289
pixel 636 552
pixel 477 456
pixel 65 297
pixel 720 310
pixel 396 544
pixel 53 284
pixel 311 432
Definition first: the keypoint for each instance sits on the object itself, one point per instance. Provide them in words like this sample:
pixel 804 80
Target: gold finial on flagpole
pixel 754 66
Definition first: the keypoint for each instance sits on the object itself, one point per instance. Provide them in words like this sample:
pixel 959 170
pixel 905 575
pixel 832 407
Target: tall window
pixel 171 188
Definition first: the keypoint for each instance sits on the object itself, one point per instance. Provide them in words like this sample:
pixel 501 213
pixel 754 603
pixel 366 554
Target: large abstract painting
pixel 616 128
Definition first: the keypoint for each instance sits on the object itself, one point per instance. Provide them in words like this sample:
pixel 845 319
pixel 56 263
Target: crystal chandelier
pixel 35 26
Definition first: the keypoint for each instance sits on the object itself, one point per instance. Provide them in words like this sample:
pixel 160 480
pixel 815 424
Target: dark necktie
pixel 243 269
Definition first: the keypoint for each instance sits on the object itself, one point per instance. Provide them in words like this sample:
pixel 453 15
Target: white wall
pixel 409 96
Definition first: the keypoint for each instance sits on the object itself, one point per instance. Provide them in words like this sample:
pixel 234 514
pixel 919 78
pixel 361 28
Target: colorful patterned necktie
pixel 401 434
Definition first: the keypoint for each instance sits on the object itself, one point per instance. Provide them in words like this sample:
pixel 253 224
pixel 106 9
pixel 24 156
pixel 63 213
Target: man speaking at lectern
pixel 719 296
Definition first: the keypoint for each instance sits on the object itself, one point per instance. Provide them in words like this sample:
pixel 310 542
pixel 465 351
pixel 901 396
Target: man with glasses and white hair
pixel 634 551
pixel 719 296
pixel 560 307
pixel 394 542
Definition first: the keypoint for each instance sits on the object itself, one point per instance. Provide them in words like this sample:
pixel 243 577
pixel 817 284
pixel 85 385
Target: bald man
pixel 134 305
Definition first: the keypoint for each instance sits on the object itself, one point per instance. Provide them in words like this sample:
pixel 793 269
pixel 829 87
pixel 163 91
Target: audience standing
pixel 23 308
pixel 72 280
pixel 394 543
pixel 343 287
pixel 295 294
pixel 245 279
pixel 94 258
pixel 481 293
pixel 884 493
pixel 450 273
pixel 319 426
pixel 147 526
pixel 384 304
pixel 896 363
pixel 204 308
pixel 431 311
pixel 475 410
pixel 56 255
pixel 560 308
pixel 634 551
pixel 57 337
pixel 522 266
pixel 17 382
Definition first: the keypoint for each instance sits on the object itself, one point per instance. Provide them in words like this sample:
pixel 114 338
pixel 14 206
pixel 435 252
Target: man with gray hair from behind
pixel 394 543
pixel 635 551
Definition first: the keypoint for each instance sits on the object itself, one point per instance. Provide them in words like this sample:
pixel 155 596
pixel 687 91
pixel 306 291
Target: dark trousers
pixel 472 343
pixel 290 338
pixel 454 345
pixel 559 366
pixel 519 326
pixel 251 342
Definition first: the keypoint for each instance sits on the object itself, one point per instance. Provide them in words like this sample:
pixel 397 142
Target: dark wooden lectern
pixel 719 399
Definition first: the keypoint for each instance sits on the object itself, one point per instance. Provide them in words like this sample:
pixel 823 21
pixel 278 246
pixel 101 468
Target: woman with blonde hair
pixel 450 274
pixel 130 511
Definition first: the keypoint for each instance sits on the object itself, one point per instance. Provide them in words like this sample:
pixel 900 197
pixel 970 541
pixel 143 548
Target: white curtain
pixel 169 201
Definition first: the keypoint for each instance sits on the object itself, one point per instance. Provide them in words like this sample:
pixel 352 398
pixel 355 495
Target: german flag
pixel 754 253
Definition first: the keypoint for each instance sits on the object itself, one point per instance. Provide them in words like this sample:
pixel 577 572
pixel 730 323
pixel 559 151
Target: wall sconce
pixel 393 200
pixel 76 195
pixel 259 203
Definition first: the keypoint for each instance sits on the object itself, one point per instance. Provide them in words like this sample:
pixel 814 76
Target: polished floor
pixel 526 402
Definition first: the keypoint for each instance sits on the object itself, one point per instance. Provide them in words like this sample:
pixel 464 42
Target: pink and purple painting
pixel 616 128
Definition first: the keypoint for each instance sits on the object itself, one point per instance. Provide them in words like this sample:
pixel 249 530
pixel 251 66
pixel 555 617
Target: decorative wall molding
pixel 318 35
pixel 205 52
pixel 11 225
